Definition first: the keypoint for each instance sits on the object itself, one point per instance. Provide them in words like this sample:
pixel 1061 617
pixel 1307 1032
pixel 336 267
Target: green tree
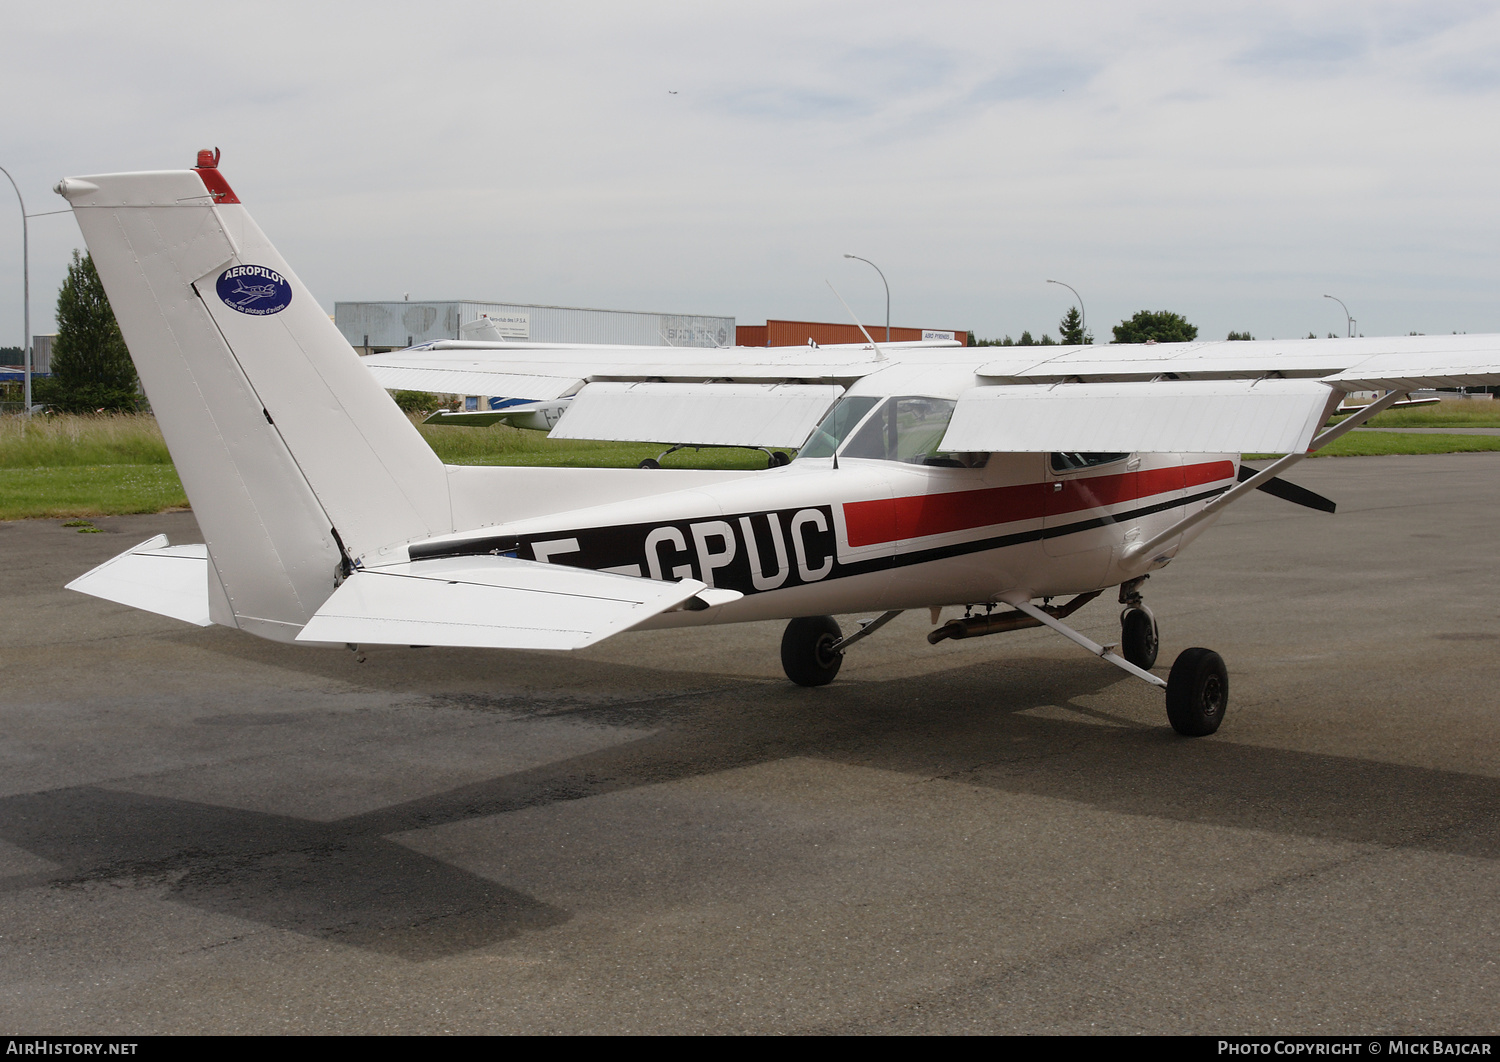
pixel 1070 328
pixel 1240 335
pixel 1161 326
pixel 91 368
pixel 416 401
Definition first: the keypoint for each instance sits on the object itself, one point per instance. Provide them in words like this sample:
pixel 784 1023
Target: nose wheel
pixel 1139 640
pixel 1197 692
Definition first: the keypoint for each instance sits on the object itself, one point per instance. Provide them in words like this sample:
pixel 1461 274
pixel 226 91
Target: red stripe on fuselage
pixel 890 519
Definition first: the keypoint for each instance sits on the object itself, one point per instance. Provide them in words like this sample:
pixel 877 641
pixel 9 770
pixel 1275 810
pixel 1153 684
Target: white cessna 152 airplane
pixel 924 478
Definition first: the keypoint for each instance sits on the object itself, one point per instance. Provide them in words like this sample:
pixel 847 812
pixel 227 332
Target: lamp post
pixel 875 267
pixel 25 290
pixel 1347 318
pixel 1083 314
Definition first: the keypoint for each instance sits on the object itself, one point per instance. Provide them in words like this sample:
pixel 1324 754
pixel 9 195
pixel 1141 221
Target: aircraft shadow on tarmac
pixel 344 881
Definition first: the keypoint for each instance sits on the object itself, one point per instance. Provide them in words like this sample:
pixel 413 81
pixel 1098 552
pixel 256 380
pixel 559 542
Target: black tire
pixel 777 459
pixel 650 462
pixel 806 650
pixel 1197 692
pixel 1138 638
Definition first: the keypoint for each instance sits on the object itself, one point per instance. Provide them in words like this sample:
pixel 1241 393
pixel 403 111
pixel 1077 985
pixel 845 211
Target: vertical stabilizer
pixel 287 447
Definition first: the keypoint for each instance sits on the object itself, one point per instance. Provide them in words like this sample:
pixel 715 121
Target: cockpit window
pixel 1071 462
pixel 899 429
pixel 840 421
pixel 909 429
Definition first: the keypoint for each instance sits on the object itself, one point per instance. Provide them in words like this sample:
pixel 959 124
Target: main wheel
pixel 650 462
pixel 1138 638
pixel 1197 692
pixel 807 654
pixel 777 459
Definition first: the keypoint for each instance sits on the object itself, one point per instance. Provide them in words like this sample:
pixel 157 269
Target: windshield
pixel 905 429
pixel 841 420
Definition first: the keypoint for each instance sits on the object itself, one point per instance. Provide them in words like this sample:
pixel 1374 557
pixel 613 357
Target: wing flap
pixel 1172 416
pixel 154 577
pixel 711 414
pixel 489 603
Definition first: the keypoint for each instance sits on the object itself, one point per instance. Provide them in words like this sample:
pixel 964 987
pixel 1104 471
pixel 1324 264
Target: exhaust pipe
pixel 977 626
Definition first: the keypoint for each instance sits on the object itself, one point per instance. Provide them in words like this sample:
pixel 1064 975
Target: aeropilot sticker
pixel 254 289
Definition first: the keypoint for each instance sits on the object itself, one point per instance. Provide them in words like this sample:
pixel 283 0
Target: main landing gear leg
pixel 1197 688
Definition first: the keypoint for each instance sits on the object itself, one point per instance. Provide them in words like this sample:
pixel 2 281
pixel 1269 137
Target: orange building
pixel 797 334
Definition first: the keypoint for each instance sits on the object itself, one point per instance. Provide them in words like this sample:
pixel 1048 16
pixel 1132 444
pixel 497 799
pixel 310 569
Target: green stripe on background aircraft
pixel 929 477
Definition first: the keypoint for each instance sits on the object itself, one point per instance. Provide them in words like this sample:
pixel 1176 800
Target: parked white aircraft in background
pixel 977 477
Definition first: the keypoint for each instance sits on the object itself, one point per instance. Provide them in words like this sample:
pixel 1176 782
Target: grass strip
pixel 113 465
pixel 70 440
pixel 89 490
pixel 1390 443
pixel 1444 415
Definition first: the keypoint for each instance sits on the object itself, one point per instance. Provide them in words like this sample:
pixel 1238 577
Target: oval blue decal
pixel 254 290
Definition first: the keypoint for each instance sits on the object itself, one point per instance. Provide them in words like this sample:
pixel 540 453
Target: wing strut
pixel 1149 547
pixel 1103 652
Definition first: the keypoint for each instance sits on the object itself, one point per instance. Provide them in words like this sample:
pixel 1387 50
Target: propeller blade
pixel 1280 488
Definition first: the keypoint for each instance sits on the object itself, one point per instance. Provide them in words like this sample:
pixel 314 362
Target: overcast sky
pixel 1231 162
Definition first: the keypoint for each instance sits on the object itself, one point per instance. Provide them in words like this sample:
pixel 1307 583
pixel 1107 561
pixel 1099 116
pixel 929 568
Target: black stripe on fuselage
pixel 616 546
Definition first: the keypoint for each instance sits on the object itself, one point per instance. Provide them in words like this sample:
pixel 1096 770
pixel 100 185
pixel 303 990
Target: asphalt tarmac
pixel 204 832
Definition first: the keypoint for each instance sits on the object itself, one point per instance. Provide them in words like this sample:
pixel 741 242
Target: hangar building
pixel 797 333
pixel 376 327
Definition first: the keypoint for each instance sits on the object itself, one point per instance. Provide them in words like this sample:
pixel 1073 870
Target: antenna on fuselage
pixel 879 354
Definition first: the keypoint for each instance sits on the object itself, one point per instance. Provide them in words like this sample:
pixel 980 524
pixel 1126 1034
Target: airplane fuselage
pixel 812 539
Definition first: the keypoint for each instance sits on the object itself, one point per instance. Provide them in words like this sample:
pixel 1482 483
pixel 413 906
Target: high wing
pixel 540 372
pixel 1266 396
pixel 742 396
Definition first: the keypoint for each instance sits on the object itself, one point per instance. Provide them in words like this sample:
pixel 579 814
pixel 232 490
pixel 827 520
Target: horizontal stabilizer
pixel 1167 416
pixel 468 419
pixel 709 414
pixel 492 602
pixel 1280 488
pixel 154 577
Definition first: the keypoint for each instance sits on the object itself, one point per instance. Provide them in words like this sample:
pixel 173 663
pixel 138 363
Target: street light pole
pixel 1347 318
pixel 1083 314
pixel 875 267
pixel 25 291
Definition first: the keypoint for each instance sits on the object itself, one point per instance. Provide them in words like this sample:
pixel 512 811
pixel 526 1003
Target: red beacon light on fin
pixel 208 170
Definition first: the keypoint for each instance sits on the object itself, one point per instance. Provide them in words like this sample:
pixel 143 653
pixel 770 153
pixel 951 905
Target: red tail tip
pixel 213 180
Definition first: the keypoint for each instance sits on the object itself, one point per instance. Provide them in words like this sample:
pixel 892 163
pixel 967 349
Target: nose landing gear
pixel 1197 692
pixel 1139 639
